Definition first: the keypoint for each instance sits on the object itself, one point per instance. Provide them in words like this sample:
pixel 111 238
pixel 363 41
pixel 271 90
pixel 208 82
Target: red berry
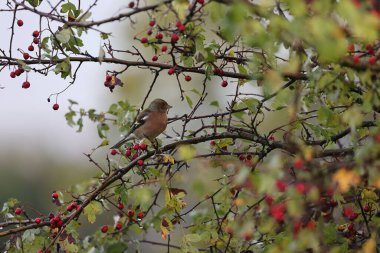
pixel 300 187
pixel 212 143
pixel 311 225
pixel 128 152
pixel 18 72
pixel 152 23
pixel 171 71
pixel 181 28
pixel 188 78
pixel 350 227
pixel 25 85
pixel 142 146
pixel 247 236
pixel 370 49
pixel 149 32
pixel 104 229
pixel 130 213
pixel 113 152
pixel 356 59
pixel 131 4
pixel 269 200
pixel 108 78
pixel 60 223
pixel 298 164
pixel 351 48
pixel 154 58
pixel 174 37
pixel 136 147
pixel 26 56
pixel 224 83
pixel 54 195
pixel 218 71
pixel 178 23
pixel 140 162
pixel 37 220
pixel 201 1
pixel 249 157
pixel 36 40
pixel 366 208
pixel 372 60
pixel 36 34
pixel 135 156
pixel 20 22
pixel 55 107
pixel 18 211
pixel 281 185
pixel 12 74
pixel 69 208
pixel 118 226
pixel 353 216
pixel 278 212
pixel 140 215
pixel 333 203
pixel 159 36
pixel 164 48
pixel 31 48
pixel 241 157
pixel 144 40
pixel 120 205
pixel 377 138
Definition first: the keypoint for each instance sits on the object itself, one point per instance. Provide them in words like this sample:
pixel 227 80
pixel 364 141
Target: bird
pixel 150 123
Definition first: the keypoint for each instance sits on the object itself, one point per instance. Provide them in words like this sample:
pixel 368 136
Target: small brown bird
pixel 150 123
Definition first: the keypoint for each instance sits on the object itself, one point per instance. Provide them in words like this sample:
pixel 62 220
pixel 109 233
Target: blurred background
pixel 39 152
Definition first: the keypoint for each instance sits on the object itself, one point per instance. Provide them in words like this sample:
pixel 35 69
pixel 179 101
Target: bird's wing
pixel 141 118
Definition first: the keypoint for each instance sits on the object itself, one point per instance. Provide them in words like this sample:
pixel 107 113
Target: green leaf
pixel 93 209
pixel 117 247
pixel 187 152
pixel 193 238
pixel 189 101
pixel 64 35
pixel 215 103
pixel 251 103
pixel 34 3
pixel 67 7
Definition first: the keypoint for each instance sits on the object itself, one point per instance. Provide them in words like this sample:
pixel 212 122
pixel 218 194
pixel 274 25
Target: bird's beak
pixel 169 106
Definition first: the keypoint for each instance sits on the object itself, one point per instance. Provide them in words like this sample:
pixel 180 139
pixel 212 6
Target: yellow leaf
pixel 166 226
pixel 345 179
pixel 168 159
pixel 91 210
pixel 369 246
pixel 239 202
pixel 369 194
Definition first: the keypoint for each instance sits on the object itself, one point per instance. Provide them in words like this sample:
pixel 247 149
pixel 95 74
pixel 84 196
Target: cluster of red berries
pixel 310 225
pixel 119 226
pixel 134 152
pixel 36 40
pixel 55 221
pixel 73 206
pixel 131 214
pixel 357 58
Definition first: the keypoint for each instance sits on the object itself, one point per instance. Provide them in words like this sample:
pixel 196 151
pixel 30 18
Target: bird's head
pixel 159 105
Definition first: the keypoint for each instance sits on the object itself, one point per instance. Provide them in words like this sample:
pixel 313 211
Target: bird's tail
pixel 126 139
